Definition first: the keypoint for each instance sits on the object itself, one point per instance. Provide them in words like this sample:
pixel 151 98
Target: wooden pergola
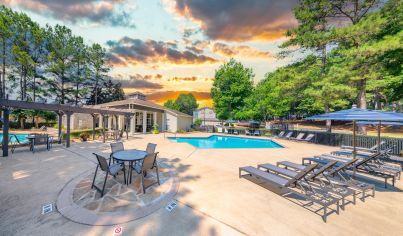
pixel 6 105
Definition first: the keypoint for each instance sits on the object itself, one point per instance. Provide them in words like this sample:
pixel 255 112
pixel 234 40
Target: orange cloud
pixel 242 50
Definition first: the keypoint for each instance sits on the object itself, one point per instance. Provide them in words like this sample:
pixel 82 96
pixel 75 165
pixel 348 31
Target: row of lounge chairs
pixel 326 180
pixel 299 137
pixel 247 132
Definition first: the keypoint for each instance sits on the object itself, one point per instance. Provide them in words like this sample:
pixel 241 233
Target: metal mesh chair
pixel 148 163
pixel 109 170
pixel 151 148
pixel 40 139
pixel 116 147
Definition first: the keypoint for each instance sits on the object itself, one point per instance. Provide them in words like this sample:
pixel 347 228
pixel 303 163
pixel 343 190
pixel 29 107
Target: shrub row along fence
pixel 338 139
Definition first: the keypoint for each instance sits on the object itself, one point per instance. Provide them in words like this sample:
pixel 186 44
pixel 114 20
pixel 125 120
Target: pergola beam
pixel 59 107
pixel 6 105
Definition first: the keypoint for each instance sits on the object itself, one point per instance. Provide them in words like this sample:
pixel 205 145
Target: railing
pixel 338 139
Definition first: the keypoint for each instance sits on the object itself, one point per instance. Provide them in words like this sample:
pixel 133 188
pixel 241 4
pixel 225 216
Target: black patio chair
pixel 109 170
pixel 40 139
pixel 151 148
pixel 116 147
pixel 148 163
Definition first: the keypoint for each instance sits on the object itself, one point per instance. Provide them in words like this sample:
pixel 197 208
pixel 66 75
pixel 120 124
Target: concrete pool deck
pixel 212 200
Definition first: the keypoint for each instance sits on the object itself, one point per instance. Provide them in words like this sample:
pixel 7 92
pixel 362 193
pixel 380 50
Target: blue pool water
pixel 217 141
pixel 21 137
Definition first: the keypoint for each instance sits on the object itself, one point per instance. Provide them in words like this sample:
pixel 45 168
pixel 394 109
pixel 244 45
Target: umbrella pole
pixel 354 147
pixel 379 137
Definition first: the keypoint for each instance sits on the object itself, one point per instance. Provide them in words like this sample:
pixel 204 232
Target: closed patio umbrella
pixel 356 114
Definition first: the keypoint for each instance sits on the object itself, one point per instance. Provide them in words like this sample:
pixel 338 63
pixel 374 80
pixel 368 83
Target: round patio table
pixel 129 156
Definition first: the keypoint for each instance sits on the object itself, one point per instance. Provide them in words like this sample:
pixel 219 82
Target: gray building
pixel 146 115
pixel 207 115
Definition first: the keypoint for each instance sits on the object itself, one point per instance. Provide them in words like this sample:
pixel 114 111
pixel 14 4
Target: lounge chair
pixel 225 131
pixel 365 166
pixel 371 149
pixel 338 174
pixel 235 132
pixel 280 135
pixel 308 138
pixel 256 133
pixel 299 137
pixel 283 186
pixel 247 132
pixel 288 135
pixel 316 175
pixel 109 170
pixel 376 162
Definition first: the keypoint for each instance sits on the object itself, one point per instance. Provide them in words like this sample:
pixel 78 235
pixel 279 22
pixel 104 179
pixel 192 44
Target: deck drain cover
pixel 47 208
pixel 171 206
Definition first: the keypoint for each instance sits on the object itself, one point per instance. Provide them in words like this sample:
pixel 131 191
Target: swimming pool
pixel 218 141
pixel 21 137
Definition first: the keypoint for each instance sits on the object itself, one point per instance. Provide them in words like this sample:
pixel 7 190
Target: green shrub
pixel 198 122
pixel 155 129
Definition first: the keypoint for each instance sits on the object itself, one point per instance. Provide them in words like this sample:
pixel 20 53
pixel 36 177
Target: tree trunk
pixel 377 102
pixel 3 89
pixel 328 122
pixel 362 101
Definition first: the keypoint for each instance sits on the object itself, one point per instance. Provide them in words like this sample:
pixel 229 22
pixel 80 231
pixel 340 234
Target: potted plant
pixel 84 136
pixel 155 129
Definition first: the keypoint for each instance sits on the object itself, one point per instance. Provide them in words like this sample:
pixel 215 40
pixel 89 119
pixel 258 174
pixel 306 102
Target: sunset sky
pixel 164 47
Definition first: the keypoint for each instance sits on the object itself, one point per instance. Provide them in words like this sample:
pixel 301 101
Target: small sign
pixel 47 208
pixel 118 230
pixel 171 206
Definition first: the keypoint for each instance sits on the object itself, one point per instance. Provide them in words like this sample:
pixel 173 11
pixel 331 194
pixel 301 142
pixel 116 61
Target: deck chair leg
pixel 142 183
pixel 343 203
pixel 103 188
pixel 324 214
pixel 124 175
pixel 95 175
pixel 158 175
pixel 338 208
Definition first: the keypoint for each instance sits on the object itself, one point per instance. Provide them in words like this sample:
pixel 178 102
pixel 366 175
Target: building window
pixel 149 122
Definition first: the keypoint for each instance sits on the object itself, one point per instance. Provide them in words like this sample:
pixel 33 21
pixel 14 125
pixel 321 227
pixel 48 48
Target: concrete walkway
pixel 212 200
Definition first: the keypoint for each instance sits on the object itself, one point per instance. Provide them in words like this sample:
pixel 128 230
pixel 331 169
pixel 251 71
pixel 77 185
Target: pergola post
pixel 116 123
pixel 104 117
pixel 126 126
pixel 59 126
pixel 93 126
pixel 6 126
pixel 68 118
pixel 144 122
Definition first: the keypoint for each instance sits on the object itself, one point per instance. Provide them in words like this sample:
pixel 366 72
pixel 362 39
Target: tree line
pixel 185 103
pixel 355 56
pixel 50 64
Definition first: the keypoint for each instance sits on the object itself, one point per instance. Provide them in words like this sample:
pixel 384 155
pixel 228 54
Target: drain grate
pixel 47 208
pixel 171 206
